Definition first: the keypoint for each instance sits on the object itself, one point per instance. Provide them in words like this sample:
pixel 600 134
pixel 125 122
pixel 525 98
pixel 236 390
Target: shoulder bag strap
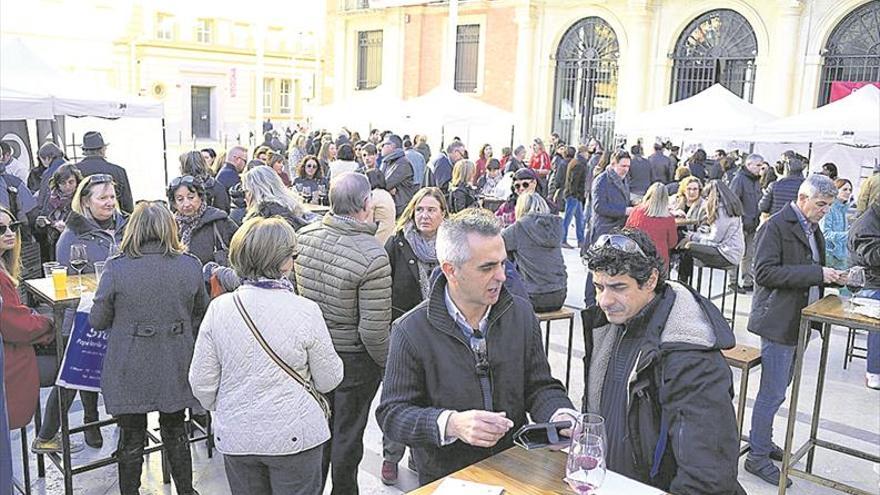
pixel 218 238
pixel 322 401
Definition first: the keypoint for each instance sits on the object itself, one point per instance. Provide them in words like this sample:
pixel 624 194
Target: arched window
pixel 718 47
pixel 853 50
pixel 586 82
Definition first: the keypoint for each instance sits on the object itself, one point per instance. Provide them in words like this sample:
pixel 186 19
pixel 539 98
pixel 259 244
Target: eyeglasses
pixel 99 178
pixel 186 180
pixel 13 227
pixel 619 242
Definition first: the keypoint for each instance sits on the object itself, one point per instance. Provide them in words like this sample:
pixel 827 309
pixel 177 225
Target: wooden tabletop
pixel 532 472
pixel 831 309
pixel 560 314
pixel 319 209
pixel 45 289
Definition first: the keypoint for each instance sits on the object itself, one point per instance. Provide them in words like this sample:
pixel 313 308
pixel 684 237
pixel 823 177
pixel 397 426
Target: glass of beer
pixel 59 278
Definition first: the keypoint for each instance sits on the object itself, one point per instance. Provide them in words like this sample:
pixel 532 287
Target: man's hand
pixel 629 210
pixel 832 276
pixel 478 428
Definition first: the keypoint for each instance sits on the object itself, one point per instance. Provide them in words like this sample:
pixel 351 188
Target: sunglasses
pixel 619 242
pixel 186 180
pixel 99 178
pixel 521 185
pixel 13 227
pixel 311 165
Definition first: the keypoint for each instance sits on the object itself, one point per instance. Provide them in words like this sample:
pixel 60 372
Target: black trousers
pixel 350 403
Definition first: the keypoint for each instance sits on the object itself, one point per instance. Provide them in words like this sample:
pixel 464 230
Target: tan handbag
pixel 310 388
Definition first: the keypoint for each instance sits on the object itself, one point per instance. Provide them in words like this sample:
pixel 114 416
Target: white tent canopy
pixel 29 86
pixel 712 113
pixel 854 119
pixel 375 108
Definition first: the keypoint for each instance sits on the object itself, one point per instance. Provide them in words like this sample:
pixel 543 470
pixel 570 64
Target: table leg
pixel 820 388
pixel 803 333
pixel 65 424
pixel 547 340
pixel 38 422
pixel 570 344
pixel 741 403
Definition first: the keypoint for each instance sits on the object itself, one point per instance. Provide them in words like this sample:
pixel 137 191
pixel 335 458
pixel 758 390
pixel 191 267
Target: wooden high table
pixel 827 311
pixel 533 472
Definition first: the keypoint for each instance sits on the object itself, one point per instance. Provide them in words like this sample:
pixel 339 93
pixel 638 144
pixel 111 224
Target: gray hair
pixel 530 203
pixel 50 151
pixel 818 185
pixel 237 149
pixel 452 237
pixel 454 146
pixel 519 149
pixel 754 158
pixel 265 185
pixel 348 193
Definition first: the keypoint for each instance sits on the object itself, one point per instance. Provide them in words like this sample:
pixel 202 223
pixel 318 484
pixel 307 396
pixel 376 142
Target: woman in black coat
pixel 204 230
pixel 461 194
pixel 411 250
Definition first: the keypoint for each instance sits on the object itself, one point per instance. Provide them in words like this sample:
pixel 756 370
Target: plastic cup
pixel 99 269
pixel 59 278
pixel 48 266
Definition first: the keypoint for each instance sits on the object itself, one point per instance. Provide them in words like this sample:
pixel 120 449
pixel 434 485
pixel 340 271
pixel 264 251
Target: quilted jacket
pixel 343 267
pixel 259 409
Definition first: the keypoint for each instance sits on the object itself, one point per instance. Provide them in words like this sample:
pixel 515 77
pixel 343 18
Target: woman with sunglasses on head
pixel 20 327
pixel 148 351
pixel 55 207
pixel 204 230
pixel 95 221
pixel 193 163
pixel 266 196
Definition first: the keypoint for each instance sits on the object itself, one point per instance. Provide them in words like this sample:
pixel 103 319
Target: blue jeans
pixel 573 208
pixel 777 369
pixel 873 365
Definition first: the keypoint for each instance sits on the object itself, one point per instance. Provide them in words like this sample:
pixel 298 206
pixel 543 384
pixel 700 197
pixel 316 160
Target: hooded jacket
pixel 679 421
pixel 80 230
pixel 781 193
pixel 399 177
pixel 747 187
pixel 864 245
pixel 533 242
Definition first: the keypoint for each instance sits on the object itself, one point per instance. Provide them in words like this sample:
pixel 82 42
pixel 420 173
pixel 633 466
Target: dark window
pixel 369 59
pixel 586 82
pixel 718 47
pixel 467 53
pixel 201 111
pixel 853 50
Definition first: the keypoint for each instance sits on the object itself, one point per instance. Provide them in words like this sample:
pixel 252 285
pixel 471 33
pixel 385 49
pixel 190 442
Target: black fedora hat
pixel 93 140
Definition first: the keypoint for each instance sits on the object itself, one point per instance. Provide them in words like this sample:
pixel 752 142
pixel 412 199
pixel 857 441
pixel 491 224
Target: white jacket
pixel 258 409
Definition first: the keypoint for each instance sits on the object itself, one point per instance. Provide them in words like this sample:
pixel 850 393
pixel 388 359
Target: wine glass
pixel 585 467
pixel 855 280
pixel 78 260
pixel 307 194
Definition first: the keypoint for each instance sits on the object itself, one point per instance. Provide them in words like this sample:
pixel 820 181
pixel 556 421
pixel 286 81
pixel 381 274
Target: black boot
pixel 90 415
pixel 130 456
pixel 175 442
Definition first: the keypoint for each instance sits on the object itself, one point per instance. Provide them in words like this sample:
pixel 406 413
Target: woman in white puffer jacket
pixel 270 430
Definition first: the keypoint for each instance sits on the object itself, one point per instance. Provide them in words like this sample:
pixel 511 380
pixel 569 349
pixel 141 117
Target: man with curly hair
pixel 653 369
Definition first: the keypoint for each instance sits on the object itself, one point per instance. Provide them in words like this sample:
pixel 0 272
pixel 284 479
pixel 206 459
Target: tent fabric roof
pixel 711 113
pixel 854 119
pixel 30 87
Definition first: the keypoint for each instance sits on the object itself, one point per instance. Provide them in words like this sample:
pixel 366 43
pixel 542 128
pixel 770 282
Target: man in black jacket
pixel 746 185
pixel 789 274
pixel 653 369
pixel 94 147
pixel 398 172
pixel 467 364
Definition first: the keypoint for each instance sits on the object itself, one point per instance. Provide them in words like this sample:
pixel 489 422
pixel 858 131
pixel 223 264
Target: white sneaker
pixel 872 380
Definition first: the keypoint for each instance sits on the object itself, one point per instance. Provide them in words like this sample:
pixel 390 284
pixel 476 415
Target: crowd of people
pixel 425 277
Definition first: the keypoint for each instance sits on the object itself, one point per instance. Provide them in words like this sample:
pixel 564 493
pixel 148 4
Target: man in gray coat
pixel 343 267
pixel 639 173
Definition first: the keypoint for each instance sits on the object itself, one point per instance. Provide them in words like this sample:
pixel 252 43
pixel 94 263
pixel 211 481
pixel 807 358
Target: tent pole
pixel 511 138
pixel 442 137
pixel 809 152
pixel 165 150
